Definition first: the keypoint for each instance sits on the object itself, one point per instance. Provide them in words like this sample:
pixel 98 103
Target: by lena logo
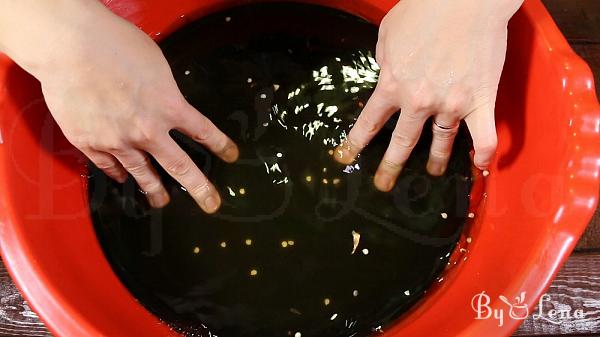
pixel 519 310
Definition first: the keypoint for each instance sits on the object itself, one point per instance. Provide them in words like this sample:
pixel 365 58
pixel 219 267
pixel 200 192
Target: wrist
pixel 38 35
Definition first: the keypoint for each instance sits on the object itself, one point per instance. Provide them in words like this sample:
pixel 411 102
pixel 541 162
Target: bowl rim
pixel 62 321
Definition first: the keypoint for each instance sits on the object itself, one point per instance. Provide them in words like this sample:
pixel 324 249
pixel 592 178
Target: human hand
pixel 437 58
pixel 111 91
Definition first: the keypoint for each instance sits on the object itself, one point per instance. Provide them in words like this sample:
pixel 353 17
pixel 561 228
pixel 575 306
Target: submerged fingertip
pixel 435 169
pixel 343 155
pixel 159 200
pixel 212 204
pixel 231 155
pixel 383 182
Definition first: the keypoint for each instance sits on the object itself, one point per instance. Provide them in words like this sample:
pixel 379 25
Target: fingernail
pixel 435 169
pixel 231 153
pixel 211 204
pixel 343 153
pixel 158 200
pixel 384 182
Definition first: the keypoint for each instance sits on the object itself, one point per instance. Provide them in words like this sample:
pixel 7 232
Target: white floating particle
pixel 444 215
pixel 279 154
pixel 334 316
pixel 298 334
pixel 249 80
pixel 275 87
pixel 486 173
pixel 365 251
pixel 187 72
pixel 469 239
pixel 407 293
pixel 231 192
pixel 355 241
pixel 471 215
pixel 263 96
pixel 355 293
pixel 227 18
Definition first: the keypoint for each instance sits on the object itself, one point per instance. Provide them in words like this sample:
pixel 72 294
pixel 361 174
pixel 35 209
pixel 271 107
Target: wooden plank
pixel 16 318
pixel 577 286
pixel 590 52
pixel 590 241
pixel 579 20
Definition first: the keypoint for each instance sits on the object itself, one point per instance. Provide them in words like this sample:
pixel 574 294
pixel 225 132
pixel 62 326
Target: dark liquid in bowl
pixel 286 82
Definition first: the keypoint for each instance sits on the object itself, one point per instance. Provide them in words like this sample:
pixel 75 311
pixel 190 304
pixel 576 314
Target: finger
pixel 376 112
pixel 444 130
pixel 482 127
pixel 404 138
pixel 140 168
pixel 201 129
pixel 181 167
pixel 108 164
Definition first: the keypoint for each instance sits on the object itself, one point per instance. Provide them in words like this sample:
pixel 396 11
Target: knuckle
pixel 489 146
pixel 174 108
pixel 203 133
pixel 390 165
pixel 180 166
pixel 105 165
pixel 151 186
pixel 455 103
pixel 387 85
pixel 79 141
pixel 368 125
pixel 137 168
pixel 115 146
pixel 439 153
pixel 403 141
pixel 200 189
pixel 144 134
pixel 421 100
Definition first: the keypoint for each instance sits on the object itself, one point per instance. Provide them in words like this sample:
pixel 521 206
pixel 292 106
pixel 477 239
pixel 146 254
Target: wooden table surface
pixel 577 286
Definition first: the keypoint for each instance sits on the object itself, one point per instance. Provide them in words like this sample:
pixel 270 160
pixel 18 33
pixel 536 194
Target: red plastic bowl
pixel 540 195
